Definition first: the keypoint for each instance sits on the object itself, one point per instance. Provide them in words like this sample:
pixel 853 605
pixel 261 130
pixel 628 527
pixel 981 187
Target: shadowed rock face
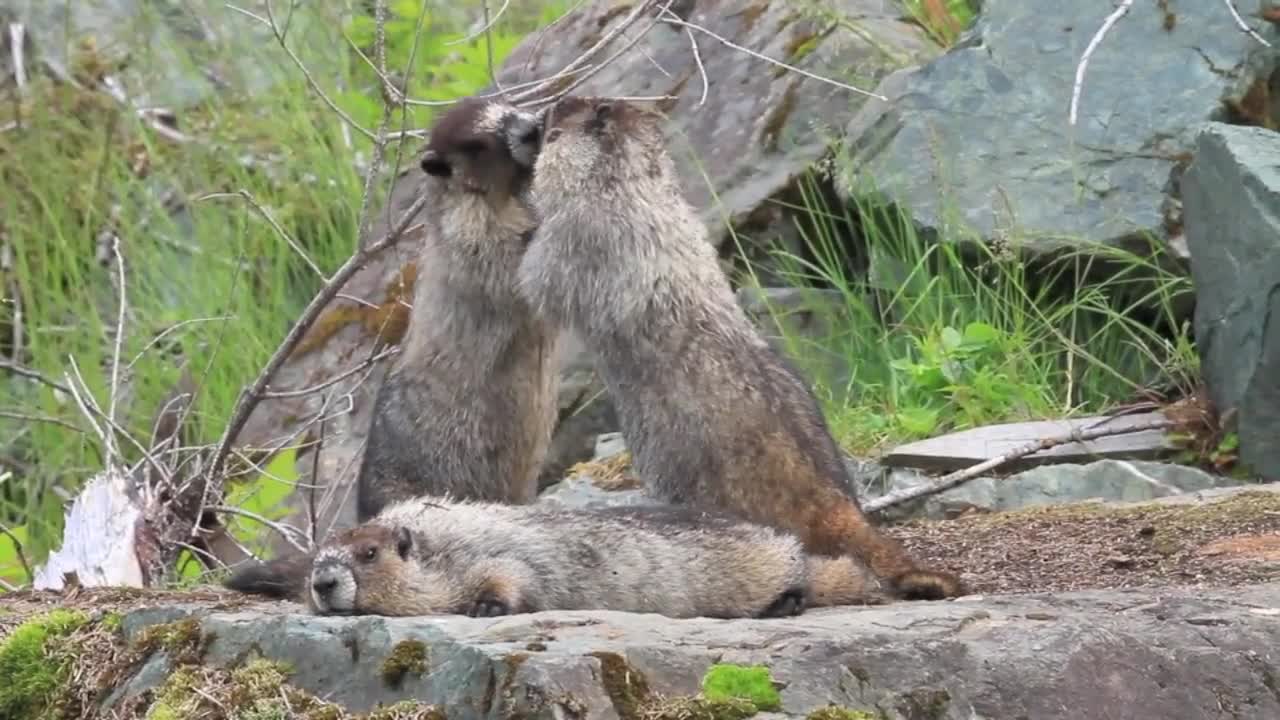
pixel 1139 655
pixel 1231 192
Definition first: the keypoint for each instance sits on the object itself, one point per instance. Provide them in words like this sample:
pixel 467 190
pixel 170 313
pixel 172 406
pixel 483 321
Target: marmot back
pixel 432 555
pixel 468 406
pixel 713 416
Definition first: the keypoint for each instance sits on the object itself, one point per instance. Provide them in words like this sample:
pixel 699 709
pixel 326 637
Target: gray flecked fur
pixel 469 405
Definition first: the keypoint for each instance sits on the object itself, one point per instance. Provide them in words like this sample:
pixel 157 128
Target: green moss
pixel 180 639
pixel 752 683
pixel 32 679
pixel 408 656
pixel 836 712
pixel 626 686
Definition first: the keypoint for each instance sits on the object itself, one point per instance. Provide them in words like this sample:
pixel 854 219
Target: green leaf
pixel 917 421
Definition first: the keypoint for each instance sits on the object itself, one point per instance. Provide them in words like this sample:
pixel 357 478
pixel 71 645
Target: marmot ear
pixel 434 164
pixel 603 110
pixel 404 542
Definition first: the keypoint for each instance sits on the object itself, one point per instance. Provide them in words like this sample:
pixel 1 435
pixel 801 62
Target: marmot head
pixel 359 567
pixel 595 141
pixel 484 147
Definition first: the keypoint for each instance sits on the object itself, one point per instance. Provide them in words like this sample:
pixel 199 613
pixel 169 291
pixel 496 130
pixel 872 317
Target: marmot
pixel 434 555
pixel 713 416
pixel 468 407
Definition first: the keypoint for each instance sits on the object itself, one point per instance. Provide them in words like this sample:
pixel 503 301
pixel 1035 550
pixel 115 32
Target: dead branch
pixel 1094 42
pixel 1240 23
pixel 671 19
pixel 960 477
pixel 30 374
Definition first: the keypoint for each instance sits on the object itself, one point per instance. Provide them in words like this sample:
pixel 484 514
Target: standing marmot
pixel 712 415
pixel 469 405
pixel 432 555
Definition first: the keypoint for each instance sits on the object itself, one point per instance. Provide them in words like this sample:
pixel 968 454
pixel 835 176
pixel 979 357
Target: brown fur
pixel 469 405
pixel 713 416
pixel 430 556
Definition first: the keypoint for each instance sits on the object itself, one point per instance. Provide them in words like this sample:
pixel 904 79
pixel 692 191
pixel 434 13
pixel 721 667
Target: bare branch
pixel 1111 20
pixel 285 531
pixel 266 214
pixel 163 333
pixel 672 19
pixel 959 477
pixel 30 374
pixel 270 22
pixel 41 419
pixel 333 380
pixel 1235 14
pixel 115 353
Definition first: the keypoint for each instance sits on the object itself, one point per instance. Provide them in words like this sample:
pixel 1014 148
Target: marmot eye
pixel 602 111
pixel 369 553
pixel 554 134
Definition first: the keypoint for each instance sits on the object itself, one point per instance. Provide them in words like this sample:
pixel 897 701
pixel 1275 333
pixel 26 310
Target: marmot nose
pixel 324 586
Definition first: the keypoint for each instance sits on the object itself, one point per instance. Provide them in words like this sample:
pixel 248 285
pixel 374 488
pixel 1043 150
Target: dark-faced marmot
pixel 713 416
pixel 436 556
pixel 468 407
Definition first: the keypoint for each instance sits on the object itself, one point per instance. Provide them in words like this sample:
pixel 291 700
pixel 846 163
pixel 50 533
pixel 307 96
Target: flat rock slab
pixel 1139 655
pixel 969 447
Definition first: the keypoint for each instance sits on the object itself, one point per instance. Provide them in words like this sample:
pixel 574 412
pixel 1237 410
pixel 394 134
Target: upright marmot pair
pixel 715 419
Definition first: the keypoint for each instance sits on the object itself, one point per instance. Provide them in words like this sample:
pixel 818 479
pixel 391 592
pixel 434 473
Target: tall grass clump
pixel 937 334
pixel 211 286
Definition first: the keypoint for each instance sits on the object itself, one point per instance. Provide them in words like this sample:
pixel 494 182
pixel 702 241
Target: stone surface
pixel 1139 655
pixel 962 449
pixel 1105 480
pixel 978 140
pixel 1232 205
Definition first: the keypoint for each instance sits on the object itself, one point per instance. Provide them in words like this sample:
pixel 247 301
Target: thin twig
pixel 41 419
pixel 115 353
pixel 961 476
pixel 333 380
pixel 488 23
pixel 30 374
pixel 577 63
pixel 672 20
pixel 1231 8
pixel 281 528
pixel 266 214
pixel 163 333
pixel 697 59
pixel 1111 20
pixel 270 22
pixel 18 550
pixel 626 47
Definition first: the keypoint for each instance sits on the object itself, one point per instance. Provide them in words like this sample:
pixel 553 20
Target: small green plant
pixel 944 20
pixel 752 683
pixel 935 333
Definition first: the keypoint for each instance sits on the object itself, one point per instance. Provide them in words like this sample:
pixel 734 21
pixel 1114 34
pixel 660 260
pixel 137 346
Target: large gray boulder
pixel 1139 655
pixel 977 142
pixel 1231 194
